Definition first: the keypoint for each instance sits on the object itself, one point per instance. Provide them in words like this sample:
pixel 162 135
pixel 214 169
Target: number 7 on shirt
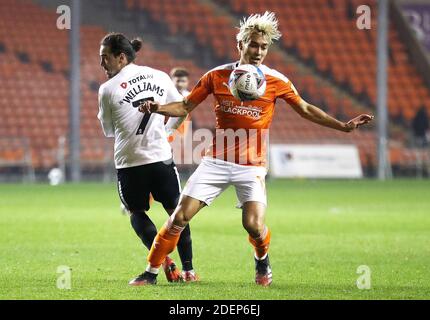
pixel 146 116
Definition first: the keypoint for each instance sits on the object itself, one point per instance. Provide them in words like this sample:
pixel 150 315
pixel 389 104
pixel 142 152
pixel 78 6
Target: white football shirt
pixel 184 93
pixel 175 122
pixel 139 138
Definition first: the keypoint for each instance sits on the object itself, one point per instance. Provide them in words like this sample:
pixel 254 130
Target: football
pixel 247 82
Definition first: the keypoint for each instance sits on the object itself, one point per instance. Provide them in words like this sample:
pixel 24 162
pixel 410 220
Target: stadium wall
pixel 420 56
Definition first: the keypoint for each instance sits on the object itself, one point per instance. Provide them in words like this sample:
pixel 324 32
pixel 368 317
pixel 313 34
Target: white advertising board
pixel 314 161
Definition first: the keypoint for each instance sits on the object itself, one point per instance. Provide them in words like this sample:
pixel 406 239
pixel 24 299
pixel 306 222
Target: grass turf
pixel 321 232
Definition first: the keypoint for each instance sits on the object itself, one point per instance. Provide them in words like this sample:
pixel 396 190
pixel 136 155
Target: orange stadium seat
pixel 309 27
pixel 49 91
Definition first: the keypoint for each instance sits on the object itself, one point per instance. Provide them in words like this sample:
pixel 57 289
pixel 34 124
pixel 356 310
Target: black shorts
pixel 136 183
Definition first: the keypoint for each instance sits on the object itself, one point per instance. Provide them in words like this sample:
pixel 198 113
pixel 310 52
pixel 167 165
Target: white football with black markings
pixel 247 82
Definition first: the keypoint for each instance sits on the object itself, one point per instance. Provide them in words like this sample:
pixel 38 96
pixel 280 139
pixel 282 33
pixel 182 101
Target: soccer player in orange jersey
pixel 244 169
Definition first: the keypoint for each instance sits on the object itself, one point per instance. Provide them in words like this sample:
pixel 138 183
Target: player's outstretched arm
pixel 173 109
pixel 173 124
pixel 315 114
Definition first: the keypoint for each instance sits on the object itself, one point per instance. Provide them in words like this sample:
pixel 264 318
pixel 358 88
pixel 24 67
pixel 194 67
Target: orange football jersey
pixel 242 127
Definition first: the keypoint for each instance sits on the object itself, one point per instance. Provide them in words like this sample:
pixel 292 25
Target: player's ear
pixel 123 57
pixel 240 45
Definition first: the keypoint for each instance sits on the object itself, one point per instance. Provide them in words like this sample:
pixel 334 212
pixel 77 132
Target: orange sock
pixel 164 243
pixel 261 243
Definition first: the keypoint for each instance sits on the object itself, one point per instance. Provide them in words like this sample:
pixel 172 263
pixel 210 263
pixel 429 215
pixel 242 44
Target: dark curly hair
pixel 118 43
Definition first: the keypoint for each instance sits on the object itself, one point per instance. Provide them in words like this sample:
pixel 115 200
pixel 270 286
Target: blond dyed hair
pixel 266 23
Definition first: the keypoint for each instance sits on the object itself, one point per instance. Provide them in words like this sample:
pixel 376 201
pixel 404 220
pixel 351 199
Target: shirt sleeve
pixel 173 123
pixel 288 92
pixel 202 89
pixel 173 94
pixel 105 114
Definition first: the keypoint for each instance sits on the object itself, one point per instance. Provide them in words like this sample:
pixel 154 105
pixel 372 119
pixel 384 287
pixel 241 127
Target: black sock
pixel 144 228
pixel 262 265
pixel 185 249
pixel 149 275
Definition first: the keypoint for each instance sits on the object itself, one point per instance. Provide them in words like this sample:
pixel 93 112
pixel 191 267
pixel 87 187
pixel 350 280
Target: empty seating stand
pixel 35 99
pixel 34 85
pixel 324 32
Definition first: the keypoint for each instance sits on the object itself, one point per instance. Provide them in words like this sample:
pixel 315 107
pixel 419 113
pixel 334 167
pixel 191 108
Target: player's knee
pixel 181 218
pixel 185 212
pixel 253 227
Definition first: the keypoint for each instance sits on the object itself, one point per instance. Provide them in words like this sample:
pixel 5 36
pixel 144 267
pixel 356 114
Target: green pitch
pixel 321 233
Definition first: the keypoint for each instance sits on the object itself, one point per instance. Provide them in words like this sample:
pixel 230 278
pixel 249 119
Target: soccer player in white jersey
pixel 239 164
pixel 143 156
pixel 179 129
pixel 180 78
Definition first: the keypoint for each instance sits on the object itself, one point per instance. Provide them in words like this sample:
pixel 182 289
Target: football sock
pixel 144 228
pixel 150 275
pixel 262 265
pixel 261 243
pixel 152 271
pixel 185 249
pixel 164 243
